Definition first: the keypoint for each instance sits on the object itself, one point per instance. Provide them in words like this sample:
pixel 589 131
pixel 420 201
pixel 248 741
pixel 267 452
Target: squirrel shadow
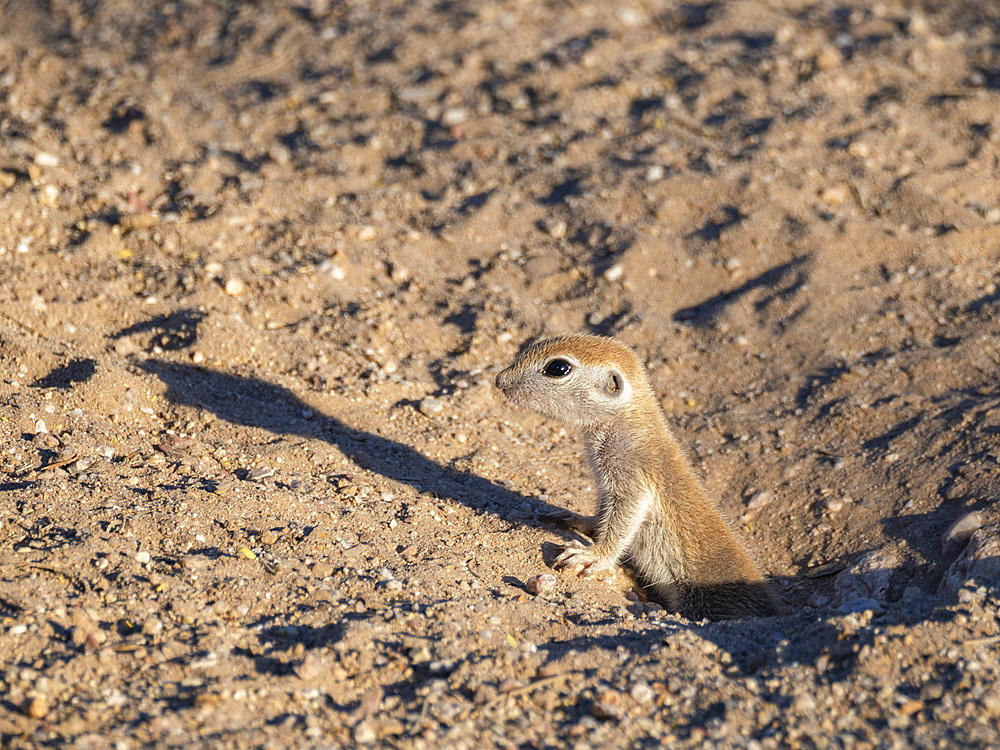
pixel 252 402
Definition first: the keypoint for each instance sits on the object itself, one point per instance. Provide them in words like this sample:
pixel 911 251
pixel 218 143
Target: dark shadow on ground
pixel 773 281
pixel 257 403
pixel 170 332
pixel 64 376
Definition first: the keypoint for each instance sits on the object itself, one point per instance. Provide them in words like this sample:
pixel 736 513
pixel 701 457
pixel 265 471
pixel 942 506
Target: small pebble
pixel 833 505
pixel 760 500
pixel 36 708
pixel 917 24
pixel 420 655
pixel 322 569
pixel 641 692
pixel 835 195
pixel 556 228
pixel 366 233
pixel 932 691
pixel 261 472
pixel 786 33
pixel 540 584
pixel 247 553
pixel 80 465
pixel 991 704
pixel 431 406
pixel 858 149
pixel 235 287
pixel 614 273
pixel 268 537
pixel 142 558
pixel 455 116
pixel 655 173
pixel 364 732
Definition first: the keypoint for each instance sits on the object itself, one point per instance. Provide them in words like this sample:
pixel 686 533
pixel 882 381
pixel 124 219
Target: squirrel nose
pixel 504 379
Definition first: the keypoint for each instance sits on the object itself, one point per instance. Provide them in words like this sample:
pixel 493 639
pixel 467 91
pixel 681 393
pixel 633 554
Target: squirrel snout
pixel 504 380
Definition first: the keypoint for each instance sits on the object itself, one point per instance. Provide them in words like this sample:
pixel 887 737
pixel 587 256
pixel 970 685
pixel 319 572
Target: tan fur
pixel 653 514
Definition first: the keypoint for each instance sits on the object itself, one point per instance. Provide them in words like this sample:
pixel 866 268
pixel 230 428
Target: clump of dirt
pixel 261 262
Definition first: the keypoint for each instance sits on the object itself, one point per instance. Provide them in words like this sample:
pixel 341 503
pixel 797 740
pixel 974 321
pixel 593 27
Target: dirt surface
pixel 260 263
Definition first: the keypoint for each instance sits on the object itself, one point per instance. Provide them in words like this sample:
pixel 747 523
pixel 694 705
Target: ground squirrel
pixel 653 514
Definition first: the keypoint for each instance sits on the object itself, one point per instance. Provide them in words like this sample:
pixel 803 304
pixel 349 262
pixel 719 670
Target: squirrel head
pixel 581 380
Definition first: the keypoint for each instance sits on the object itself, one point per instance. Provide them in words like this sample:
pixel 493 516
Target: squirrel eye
pixel 558 368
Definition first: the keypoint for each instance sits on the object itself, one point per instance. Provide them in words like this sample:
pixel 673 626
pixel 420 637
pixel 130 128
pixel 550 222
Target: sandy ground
pixel 261 262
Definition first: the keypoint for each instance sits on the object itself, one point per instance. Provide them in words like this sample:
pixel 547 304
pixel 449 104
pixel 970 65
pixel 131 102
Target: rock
pixel 365 733
pixel 642 693
pixel 195 562
pixel 420 655
pixel 540 584
pixel 932 691
pixel 80 465
pixel 859 149
pixel 804 705
pixel 268 537
pixel 555 228
pixel 454 116
pixel 431 406
pixel 979 560
pixel 614 273
pixel 760 500
pixel 261 472
pixel 868 578
pixel 44 159
pixel 142 558
pixel 991 704
pixel 36 708
pixel 235 287
pixel 957 536
pixel 322 569
pixel 917 24
pixel 834 195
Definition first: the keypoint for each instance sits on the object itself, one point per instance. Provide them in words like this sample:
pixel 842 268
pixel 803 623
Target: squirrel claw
pixel 576 555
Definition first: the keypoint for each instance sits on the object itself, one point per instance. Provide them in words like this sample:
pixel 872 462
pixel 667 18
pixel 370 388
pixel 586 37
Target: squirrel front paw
pixel 588 559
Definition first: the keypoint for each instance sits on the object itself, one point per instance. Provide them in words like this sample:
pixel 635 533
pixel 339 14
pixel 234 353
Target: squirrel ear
pixel 614 382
